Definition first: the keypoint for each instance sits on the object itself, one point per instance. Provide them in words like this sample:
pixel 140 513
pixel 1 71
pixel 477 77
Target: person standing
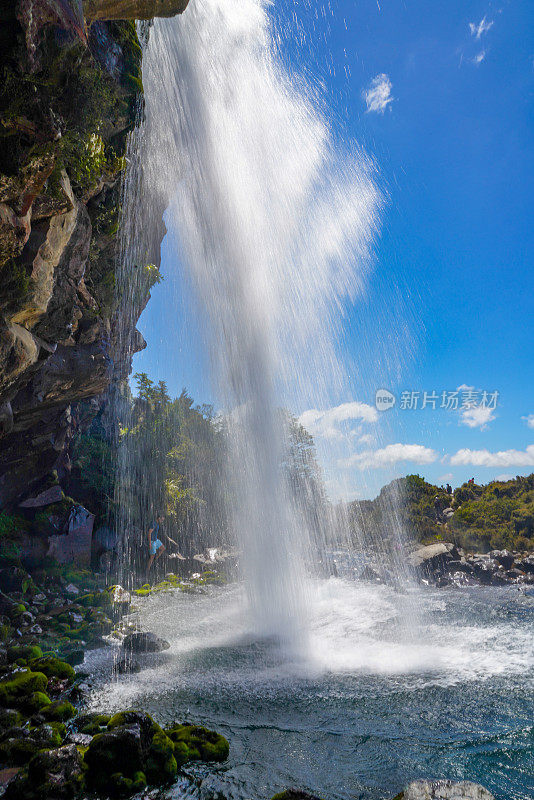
pixel 155 545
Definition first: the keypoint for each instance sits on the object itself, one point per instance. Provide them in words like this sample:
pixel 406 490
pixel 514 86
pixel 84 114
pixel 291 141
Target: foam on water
pixel 354 632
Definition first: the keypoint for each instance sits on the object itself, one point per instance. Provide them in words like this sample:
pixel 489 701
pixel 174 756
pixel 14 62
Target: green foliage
pixel 498 515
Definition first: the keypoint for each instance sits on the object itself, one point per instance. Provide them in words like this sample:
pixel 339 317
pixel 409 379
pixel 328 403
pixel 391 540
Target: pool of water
pixel 388 688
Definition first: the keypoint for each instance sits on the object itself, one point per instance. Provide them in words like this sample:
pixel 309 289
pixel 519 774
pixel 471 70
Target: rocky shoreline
pixel 443 564
pixel 50 748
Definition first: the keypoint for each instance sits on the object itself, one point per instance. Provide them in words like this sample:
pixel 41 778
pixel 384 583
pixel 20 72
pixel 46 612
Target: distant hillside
pixel 496 516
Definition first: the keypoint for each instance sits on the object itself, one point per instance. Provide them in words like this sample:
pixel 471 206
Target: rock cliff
pixel 70 92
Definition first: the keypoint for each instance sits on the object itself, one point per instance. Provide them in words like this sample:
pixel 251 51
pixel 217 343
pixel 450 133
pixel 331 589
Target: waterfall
pixel 274 217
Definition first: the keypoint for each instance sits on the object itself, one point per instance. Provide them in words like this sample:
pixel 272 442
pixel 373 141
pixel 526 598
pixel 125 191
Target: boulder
pixel 433 552
pixel 370 574
pixel 503 557
pixel 144 642
pixel 445 790
pixel 52 495
pixel 132 751
pixel 50 775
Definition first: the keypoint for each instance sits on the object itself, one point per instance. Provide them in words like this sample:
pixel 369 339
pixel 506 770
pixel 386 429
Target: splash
pixel 274 220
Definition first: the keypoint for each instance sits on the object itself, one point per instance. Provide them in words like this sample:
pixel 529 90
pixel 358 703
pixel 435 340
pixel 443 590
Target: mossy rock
pixel 28 652
pixel 36 703
pixel 53 668
pixel 121 786
pixel 133 749
pixel 195 743
pixel 9 718
pixel 59 711
pixel 56 774
pixel 161 765
pixel 17 610
pixel 18 749
pixel 17 689
pixel 91 724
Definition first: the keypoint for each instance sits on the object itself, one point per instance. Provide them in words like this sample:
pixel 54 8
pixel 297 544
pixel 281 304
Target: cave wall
pixel 70 92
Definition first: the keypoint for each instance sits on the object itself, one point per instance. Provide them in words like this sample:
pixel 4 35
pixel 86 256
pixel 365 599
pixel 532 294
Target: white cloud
pixel 389 455
pixel 447 477
pixel 366 438
pixel 463 387
pixel 505 477
pixel 503 458
pixel 529 420
pixel 477 417
pixel 325 424
pixel 378 96
pixel 479 58
pixel 483 27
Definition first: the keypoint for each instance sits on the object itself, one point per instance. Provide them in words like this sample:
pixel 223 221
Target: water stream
pixel 273 221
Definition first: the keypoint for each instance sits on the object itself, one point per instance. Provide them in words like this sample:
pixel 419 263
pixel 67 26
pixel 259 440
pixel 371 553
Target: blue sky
pixel 440 95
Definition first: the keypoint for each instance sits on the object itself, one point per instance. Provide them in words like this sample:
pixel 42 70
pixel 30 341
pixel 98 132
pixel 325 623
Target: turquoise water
pixel 391 688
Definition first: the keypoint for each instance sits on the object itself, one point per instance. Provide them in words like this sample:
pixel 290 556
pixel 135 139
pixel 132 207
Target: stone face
pixel 144 643
pixel 132 9
pixel 446 790
pixel 59 206
pixel 75 546
pixel 52 495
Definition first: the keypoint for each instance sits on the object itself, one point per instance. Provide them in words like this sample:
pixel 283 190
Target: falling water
pixel 275 220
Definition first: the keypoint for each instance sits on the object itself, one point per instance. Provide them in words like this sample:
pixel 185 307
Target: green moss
pixel 26 651
pixel 161 765
pixel 9 718
pixel 16 288
pixel 201 743
pixel 36 703
pixel 121 786
pixel 17 752
pixel 16 690
pixel 17 610
pixel 91 724
pixel 60 711
pixel 53 668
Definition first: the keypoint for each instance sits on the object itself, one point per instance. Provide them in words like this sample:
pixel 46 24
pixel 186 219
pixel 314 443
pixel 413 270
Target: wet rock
pixel 50 775
pixel 52 495
pixel 144 642
pixel 370 574
pixel 445 790
pixel 526 565
pixel 503 557
pixel 127 665
pixel 196 743
pixel 295 794
pixel 132 751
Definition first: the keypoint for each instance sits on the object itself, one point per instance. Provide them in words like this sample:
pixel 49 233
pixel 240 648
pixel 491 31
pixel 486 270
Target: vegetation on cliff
pixel 481 518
